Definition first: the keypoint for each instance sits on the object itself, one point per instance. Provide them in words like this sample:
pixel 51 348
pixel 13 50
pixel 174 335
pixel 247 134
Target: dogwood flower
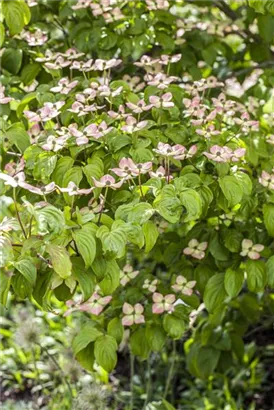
pixel 151 286
pixel 107 181
pixel 146 61
pixel 196 249
pixel 219 154
pixel 72 54
pixel 37 38
pixel 132 125
pixel 167 150
pixel 97 131
pixel 183 286
pixel 81 4
pixel 126 168
pixel 44 190
pixel 162 303
pixel 166 59
pixel 50 110
pixel 267 180
pixel 3 99
pixel 250 250
pixel 187 153
pixel 13 168
pixel 64 86
pixel 133 314
pixel 94 305
pixel 160 80
pixel 208 131
pixel 237 154
pixel 159 173
pixel 101 65
pixel 117 115
pixel 162 102
pixel 127 274
pixel 72 189
pixel 54 144
pixel 247 124
pixel 138 107
pixel 58 64
pixel 134 82
pixel 13 181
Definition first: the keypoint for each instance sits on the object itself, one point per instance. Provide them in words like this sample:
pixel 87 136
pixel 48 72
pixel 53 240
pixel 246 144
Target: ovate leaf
pixel 60 260
pixel 85 242
pixel 17 15
pixel 215 292
pixel 234 281
pixel 256 275
pixel 26 266
pixel 88 333
pixel 231 189
pixel 151 235
pixel 191 200
pixel 105 352
pixel 6 251
pixel 268 212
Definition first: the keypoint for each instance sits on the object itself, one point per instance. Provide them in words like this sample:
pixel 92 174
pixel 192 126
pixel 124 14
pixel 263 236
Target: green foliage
pixel 138 185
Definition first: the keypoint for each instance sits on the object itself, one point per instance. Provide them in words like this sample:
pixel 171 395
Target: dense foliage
pixel 138 179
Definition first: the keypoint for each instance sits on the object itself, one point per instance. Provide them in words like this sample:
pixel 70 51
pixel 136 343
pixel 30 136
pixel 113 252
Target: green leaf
pixel 86 357
pixel 168 205
pixel 116 329
pixel 12 60
pixel 5 278
pixel 26 266
pixel 111 278
pixel 95 169
pixel 113 241
pixel 85 277
pixel 105 352
pixel 50 220
pixel 30 72
pixel 18 136
pixel 174 326
pixel 138 342
pixel 17 15
pixel 270 271
pixel 21 286
pixel 2 34
pixel 62 166
pixel 151 235
pixel 87 334
pixel 6 251
pixel 167 405
pixel 217 249
pixel 134 234
pixel 234 281
pixel 156 337
pixel 215 292
pixel 268 212
pixel 256 275
pixel 140 213
pixel 44 166
pixel 60 260
pixel 233 240
pixel 191 200
pixel 245 182
pixel 231 189
pixel 265 6
pixel 206 361
pixel 24 102
pixel 85 242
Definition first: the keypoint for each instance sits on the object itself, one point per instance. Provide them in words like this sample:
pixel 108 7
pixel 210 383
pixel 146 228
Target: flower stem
pixel 148 385
pixel 131 406
pixel 17 214
pixel 140 185
pixel 103 204
pixel 171 370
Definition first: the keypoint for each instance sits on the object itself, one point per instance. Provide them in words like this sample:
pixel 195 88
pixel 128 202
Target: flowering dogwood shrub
pixel 138 172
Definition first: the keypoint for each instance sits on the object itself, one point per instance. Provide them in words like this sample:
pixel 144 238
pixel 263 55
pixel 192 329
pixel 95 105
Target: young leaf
pixel 26 266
